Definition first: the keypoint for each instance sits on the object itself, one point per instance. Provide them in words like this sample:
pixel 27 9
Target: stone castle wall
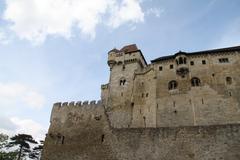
pixel 87 135
pixel 141 117
pixel 83 115
pixel 146 100
pixel 213 102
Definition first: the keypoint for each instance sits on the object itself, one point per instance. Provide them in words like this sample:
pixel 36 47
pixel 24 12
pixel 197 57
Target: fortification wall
pixel 174 143
pixel 69 118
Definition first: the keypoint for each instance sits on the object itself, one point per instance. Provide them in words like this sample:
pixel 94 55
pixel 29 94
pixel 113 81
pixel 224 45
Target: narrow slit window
pixel 146 94
pixel 63 138
pixel 102 138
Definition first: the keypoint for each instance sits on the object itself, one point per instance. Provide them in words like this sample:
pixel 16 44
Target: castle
pixel 179 107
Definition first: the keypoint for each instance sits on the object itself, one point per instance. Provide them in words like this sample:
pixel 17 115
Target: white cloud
pixel 6 124
pixel 15 125
pixel 155 11
pixel 29 126
pixel 126 11
pixel 4 39
pixel 14 92
pixel 34 20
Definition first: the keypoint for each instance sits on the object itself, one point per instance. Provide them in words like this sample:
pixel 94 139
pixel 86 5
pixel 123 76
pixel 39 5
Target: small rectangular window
pixel 160 68
pixel 203 61
pixel 223 60
pixel 171 66
pixel 192 63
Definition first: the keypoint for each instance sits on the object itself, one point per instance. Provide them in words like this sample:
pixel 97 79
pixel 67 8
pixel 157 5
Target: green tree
pixel 23 142
pixel 3 140
pixel 4 154
pixel 36 152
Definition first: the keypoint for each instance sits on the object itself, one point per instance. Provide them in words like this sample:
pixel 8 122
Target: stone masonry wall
pixel 213 102
pixel 145 120
pixel 146 101
pixel 87 135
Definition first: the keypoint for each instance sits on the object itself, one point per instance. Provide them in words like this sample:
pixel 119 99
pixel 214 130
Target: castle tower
pixel 118 100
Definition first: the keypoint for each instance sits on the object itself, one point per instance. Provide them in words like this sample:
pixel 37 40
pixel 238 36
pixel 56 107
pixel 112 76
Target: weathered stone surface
pixel 180 107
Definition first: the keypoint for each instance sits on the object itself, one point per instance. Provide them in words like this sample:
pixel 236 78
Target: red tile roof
pixel 129 48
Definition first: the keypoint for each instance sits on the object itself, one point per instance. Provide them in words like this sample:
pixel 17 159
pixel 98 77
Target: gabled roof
pixel 212 51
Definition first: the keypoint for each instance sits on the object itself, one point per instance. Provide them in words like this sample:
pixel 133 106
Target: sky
pixel 56 50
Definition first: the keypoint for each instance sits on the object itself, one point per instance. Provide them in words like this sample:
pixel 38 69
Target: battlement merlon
pixel 63 106
pixel 76 104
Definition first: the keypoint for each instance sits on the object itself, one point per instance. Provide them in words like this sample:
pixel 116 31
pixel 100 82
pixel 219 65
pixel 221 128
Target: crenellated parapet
pixel 76 112
pixel 77 104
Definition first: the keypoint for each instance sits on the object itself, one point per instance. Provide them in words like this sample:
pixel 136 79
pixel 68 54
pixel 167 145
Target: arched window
pixel 180 60
pixel 195 82
pixel 185 60
pixel 172 85
pixel 122 82
pixel 228 80
pixel 177 61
